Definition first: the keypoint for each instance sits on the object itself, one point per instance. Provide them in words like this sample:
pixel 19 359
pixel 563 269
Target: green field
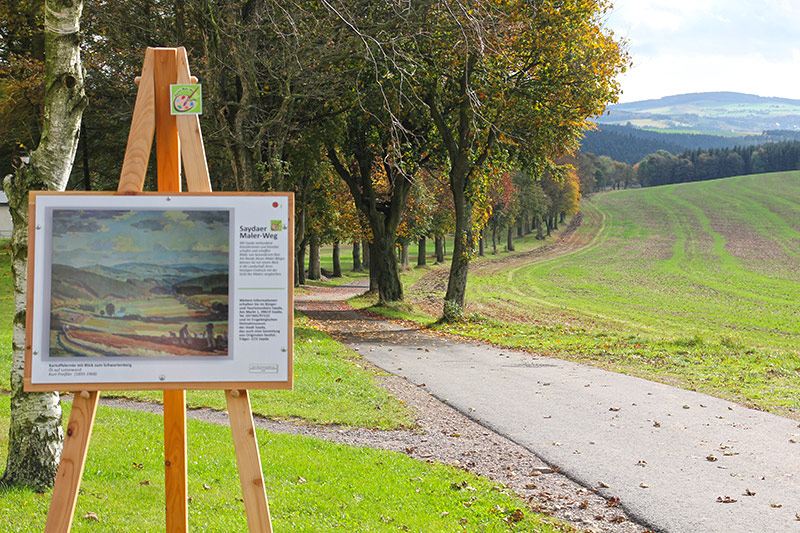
pixel 693 284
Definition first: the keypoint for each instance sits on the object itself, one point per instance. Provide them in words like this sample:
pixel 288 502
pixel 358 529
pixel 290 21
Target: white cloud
pixel 659 14
pixel 681 46
pixel 653 77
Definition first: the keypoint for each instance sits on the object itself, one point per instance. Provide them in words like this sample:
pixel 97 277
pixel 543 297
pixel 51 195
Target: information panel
pixel 160 291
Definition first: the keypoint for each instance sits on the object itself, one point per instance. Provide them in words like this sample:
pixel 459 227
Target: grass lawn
pixel 312 485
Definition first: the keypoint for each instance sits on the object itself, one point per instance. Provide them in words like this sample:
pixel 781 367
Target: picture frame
pixel 165 291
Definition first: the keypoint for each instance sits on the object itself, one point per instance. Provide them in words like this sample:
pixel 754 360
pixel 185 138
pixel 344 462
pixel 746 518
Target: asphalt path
pixel 676 460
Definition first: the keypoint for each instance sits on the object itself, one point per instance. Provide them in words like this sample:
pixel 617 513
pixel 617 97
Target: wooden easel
pixel 174 135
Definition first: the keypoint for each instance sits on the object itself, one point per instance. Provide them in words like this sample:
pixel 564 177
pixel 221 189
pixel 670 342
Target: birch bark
pixel 35 432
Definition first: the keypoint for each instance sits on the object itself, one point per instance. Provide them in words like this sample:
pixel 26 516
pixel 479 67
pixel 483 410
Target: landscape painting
pixel 139 283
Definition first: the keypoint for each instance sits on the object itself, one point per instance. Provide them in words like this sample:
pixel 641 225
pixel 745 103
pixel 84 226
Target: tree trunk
pixel 366 247
pixel 87 178
pixel 383 217
pixel 494 239
pixel 421 251
pixel 510 239
pixel 337 264
pixel 439 246
pixel 35 435
pixel 383 271
pixel 539 229
pixel 519 231
pixel 405 262
pixel 357 256
pixel 314 264
pixel 300 264
pixel 300 241
pixel 481 250
pixel 462 249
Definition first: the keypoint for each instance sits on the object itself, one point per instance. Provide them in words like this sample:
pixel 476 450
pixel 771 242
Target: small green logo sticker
pixel 275 225
pixel 186 99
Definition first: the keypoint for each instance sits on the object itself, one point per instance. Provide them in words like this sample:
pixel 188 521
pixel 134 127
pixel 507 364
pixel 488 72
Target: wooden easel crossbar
pixel 178 139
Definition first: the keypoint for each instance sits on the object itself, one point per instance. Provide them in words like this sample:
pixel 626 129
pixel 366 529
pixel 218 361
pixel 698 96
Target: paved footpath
pixel 678 461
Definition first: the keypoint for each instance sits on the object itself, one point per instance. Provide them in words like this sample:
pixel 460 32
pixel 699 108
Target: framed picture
pixel 160 291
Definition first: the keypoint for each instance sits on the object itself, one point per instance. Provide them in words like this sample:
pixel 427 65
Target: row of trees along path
pixel 377 94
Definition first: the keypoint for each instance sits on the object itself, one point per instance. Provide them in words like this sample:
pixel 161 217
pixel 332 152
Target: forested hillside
pixel 630 144
pixel 663 168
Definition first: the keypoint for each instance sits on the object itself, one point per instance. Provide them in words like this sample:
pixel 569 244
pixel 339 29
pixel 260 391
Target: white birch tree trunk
pixel 35 433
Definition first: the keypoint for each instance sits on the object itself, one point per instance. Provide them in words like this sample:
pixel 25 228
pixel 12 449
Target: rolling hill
pixel 708 112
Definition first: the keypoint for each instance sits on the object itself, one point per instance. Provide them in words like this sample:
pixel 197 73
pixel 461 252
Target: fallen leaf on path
pixel 775 505
pixel 618 519
pixel 603 485
pixel 749 492
pixel 711 458
pixel 91 517
pixel 644 485
pixel 726 499
pixel 615 409
pixel 613 502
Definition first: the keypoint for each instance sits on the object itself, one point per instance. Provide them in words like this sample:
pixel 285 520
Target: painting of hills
pixel 143 283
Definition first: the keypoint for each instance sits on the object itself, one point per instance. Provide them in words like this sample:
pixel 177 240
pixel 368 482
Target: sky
pixel 686 46
pixel 111 237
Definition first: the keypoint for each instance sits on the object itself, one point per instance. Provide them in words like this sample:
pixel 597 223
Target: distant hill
pixel 71 283
pixel 708 112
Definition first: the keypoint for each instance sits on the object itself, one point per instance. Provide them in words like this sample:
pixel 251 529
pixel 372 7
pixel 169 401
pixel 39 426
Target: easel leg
pixel 175 461
pixel 73 459
pixel 250 476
